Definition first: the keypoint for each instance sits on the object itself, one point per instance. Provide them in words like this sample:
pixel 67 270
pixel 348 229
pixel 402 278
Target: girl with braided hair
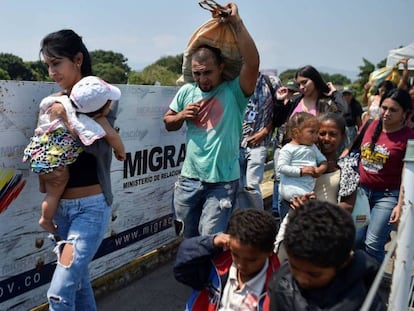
pixel 382 151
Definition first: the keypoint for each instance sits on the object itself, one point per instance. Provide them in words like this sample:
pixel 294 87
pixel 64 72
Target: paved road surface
pixel 157 291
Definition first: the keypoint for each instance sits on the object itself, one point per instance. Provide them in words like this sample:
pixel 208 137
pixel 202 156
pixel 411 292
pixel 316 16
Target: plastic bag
pixel 382 74
pixel 361 212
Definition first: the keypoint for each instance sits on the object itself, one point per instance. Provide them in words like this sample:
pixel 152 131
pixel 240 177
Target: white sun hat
pixel 92 93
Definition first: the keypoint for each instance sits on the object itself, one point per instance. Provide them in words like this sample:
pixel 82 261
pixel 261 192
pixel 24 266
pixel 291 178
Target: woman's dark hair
pixel 337 118
pixel 66 43
pixel 388 85
pixel 311 73
pixel 402 97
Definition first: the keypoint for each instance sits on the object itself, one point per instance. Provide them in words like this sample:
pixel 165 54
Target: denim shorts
pixel 202 208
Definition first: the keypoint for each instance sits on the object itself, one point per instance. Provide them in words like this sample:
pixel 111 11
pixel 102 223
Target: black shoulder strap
pixel 270 86
pixel 358 140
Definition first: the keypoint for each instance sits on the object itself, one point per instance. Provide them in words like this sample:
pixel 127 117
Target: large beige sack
pixel 217 34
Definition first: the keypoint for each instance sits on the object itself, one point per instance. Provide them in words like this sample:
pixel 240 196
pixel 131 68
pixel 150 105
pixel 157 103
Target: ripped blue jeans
pixel 82 224
pixel 202 208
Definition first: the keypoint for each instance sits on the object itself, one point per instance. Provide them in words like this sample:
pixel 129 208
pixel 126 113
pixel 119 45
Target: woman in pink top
pixel 315 96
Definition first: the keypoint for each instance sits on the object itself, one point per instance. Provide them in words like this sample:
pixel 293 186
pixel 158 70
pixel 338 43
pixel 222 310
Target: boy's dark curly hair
pixel 321 233
pixel 254 227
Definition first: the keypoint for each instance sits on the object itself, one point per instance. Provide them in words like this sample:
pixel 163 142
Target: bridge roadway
pixel 155 289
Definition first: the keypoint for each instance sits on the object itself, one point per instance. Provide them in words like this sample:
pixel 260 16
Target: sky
pixel 288 34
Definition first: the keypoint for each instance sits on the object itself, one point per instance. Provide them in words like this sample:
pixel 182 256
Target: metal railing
pixel 400 297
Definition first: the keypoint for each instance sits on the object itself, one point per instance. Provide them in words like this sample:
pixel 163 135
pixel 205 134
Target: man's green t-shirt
pixel 213 139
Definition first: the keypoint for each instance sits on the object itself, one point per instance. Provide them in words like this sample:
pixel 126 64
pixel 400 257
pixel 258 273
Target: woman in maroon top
pixel 382 151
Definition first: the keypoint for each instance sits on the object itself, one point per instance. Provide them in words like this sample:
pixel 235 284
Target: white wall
pixel 142 215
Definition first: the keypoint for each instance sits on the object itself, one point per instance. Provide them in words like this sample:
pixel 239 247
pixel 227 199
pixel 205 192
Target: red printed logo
pixel 210 114
pixel 11 184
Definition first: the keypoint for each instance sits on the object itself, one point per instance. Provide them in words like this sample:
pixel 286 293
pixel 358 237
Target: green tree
pixel 110 73
pixel 154 74
pixel 339 79
pixel 365 70
pixel 382 63
pixel 325 76
pixel 116 62
pixel 136 77
pixel 171 63
pixel 358 89
pixel 38 71
pixel 4 75
pixel 15 67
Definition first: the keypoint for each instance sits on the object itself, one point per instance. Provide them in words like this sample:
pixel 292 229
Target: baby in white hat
pixel 55 145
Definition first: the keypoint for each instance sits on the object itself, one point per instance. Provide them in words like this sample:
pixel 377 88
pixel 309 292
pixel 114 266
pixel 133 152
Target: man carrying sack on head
pixel 213 110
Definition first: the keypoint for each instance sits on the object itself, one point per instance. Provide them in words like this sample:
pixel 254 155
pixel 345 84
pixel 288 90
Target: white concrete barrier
pixel 142 187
